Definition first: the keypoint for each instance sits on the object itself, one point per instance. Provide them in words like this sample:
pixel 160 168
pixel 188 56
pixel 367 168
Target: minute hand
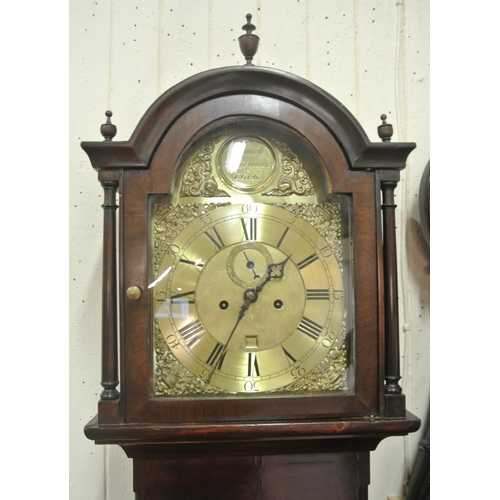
pixel 248 300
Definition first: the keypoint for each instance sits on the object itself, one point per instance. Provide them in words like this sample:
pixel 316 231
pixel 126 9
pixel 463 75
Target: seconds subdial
pixel 247 264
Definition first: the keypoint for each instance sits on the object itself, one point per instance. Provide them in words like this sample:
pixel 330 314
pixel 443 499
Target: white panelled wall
pixel 372 55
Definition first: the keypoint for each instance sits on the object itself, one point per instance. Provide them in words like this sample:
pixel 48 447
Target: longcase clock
pixel 255 290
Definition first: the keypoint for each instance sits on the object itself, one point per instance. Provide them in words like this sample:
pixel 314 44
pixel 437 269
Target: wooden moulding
pixel 136 153
pixel 269 437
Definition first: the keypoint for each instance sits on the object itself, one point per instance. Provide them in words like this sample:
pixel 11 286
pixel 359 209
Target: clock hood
pixel 252 81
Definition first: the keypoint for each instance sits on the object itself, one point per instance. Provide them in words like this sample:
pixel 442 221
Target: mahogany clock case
pixel 347 164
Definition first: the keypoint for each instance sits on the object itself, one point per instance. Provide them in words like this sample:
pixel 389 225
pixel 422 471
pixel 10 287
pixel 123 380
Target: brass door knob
pixel 134 293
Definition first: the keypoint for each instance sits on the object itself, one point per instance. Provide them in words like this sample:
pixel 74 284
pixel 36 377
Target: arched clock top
pixel 249 81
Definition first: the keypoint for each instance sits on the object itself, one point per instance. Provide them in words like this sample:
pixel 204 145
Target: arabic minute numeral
pixel 251 386
pixel 298 372
pixel 250 209
pixel 326 251
pixel 172 341
pixel 329 339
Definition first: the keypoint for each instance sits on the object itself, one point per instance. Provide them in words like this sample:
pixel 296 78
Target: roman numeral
pixel 310 328
pixel 317 294
pixel 282 237
pixel 308 260
pixel 249 228
pixel 176 299
pixel 192 333
pixel 291 360
pixel 217 357
pixel 215 238
pixel 253 366
pixel 191 262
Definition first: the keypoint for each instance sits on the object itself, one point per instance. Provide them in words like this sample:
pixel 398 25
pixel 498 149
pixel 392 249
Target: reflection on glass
pixel 234 156
pixel 160 277
pixel 177 308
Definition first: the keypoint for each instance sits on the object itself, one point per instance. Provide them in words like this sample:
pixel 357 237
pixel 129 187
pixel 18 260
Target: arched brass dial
pixel 253 298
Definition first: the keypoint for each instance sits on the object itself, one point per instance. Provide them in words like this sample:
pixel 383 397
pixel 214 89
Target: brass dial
pixel 253 298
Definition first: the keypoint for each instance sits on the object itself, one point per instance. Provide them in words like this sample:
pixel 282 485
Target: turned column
pixel 395 404
pixel 108 404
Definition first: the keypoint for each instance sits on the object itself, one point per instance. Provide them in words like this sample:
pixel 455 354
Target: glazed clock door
pixel 251 278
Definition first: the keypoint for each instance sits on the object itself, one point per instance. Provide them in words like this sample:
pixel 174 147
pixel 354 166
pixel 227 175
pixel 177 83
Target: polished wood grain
pixel 270 477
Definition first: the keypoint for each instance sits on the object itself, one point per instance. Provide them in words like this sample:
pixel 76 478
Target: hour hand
pixel 277 271
pixel 274 271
